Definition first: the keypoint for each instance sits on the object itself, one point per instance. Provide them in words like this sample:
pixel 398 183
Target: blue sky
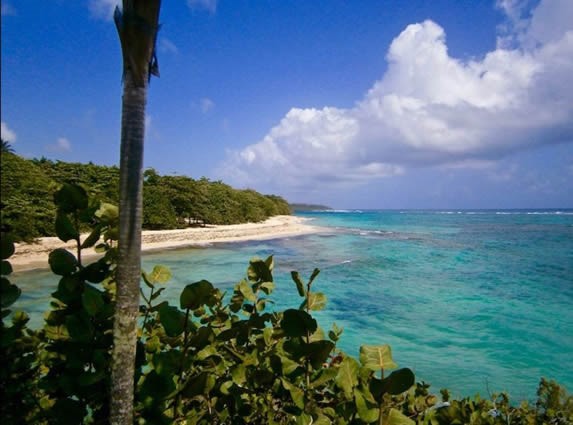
pixel 370 104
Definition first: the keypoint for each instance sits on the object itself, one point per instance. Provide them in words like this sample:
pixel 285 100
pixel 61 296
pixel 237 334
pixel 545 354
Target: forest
pixel 170 201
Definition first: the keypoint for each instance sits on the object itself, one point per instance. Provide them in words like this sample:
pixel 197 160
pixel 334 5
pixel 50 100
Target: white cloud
pixel 429 108
pixel 210 5
pixel 167 46
pixel 7 134
pixel 206 105
pixel 7 9
pixel 103 9
pixel 62 145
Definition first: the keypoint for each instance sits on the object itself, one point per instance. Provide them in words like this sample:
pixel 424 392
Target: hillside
pixel 169 202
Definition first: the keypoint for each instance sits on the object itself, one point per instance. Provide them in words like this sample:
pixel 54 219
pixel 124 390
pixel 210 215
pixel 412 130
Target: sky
pixel 440 104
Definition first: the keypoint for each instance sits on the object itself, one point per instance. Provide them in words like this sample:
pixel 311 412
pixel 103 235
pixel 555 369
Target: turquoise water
pixel 475 301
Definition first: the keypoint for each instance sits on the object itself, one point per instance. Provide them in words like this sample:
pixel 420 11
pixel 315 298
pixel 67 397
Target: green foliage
pixel 169 202
pixel 211 358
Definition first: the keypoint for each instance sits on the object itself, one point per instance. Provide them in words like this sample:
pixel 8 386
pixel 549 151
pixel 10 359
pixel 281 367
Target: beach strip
pixel 35 255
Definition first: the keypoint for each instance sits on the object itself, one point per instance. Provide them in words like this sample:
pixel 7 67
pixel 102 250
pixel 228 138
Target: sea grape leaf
pixel 368 411
pixel 298 323
pixel 377 357
pixel 8 293
pixel 318 352
pixel 396 383
pixel 107 212
pixel 347 377
pixel 92 300
pixel 6 247
pixel 315 301
pixel 395 417
pixel 196 294
pixel 326 375
pixel 247 291
pixel 65 230
pixel 299 283
pixel 159 274
pixel 71 198
pixel 62 262
pixel 259 270
pixel 296 393
pixel 92 239
pixel 68 412
pixel 172 320
pixel 5 268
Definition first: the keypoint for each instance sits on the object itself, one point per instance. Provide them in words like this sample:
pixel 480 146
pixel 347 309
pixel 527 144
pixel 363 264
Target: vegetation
pixel 27 188
pixel 210 358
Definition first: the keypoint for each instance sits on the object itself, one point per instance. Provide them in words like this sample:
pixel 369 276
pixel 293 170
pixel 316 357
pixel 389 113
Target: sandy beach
pixel 35 256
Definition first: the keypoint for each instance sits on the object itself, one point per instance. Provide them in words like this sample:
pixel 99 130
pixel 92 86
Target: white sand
pixel 35 256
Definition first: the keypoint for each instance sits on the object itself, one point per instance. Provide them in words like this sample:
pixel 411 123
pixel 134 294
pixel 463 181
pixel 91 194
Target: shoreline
pixel 35 256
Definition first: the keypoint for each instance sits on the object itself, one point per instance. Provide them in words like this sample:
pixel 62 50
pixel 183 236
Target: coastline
pixel 35 256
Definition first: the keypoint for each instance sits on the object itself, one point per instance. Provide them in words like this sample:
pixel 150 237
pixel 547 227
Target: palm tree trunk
pixel 129 262
pixel 137 27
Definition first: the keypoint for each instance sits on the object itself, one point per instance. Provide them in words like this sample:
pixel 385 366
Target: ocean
pixel 473 301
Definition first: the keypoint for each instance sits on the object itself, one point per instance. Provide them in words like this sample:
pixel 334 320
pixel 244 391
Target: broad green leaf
pixel 304 418
pixel 268 336
pixel 299 283
pixel 172 320
pixel 296 393
pixel 368 412
pixel 71 198
pixel 8 293
pixel 107 213
pixel 62 262
pixel 321 420
pixel 206 352
pixel 395 417
pixel 316 302
pixel 239 374
pixel 267 287
pixel 259 270
pixel 159 274
pixel 325 375
pixel 298 323
pixel 377 357
pixel 96 272
pixel 226 387
pixel 65 230
pixel 6 247
pixel 347 377
pixel 92 239
pixel 92 300
pixel 396 383
pixel 196 294
pixel 156 386
pixel 247 291
pixel 79 327
pixel 318 352
pixel 288 365
pixel 56 333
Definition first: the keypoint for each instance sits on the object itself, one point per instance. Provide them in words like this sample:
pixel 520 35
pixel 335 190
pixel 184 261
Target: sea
pixel 476 301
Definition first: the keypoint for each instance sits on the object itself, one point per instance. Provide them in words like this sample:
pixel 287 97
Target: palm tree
pixel 137 26
pixel 6 147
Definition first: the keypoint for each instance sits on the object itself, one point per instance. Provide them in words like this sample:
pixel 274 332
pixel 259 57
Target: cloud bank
pixel 430 108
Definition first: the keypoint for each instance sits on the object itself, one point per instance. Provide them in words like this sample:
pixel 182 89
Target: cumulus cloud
pixel 430 108
pixel 209 5
pixel 7 134
pixel 62 145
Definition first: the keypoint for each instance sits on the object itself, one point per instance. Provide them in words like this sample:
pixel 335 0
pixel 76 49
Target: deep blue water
pixel 475 301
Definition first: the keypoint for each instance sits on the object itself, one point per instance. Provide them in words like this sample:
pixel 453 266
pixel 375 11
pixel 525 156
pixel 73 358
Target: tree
pixel 137 26
pixel 6 147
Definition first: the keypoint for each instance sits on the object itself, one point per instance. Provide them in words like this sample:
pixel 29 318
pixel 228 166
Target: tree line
pixel 169 201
